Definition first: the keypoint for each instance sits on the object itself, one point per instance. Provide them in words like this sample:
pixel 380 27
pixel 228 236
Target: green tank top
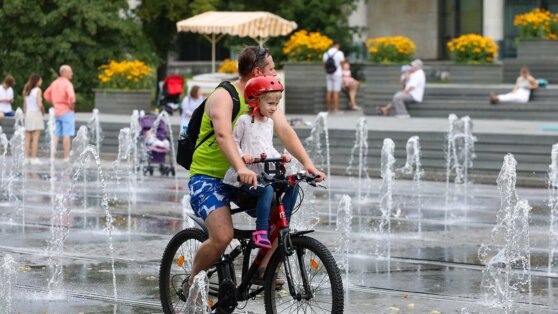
pixel 208 159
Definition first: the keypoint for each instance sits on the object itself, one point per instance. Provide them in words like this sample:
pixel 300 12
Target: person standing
pixel 61 95
pixel 34 110
pixel 190 103
pixel 7 97
pixel 334 79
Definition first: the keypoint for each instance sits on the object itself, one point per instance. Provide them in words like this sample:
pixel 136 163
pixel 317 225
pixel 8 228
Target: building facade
pixel 432 23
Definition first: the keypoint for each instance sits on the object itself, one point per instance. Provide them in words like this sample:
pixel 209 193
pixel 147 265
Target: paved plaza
pixel 434 270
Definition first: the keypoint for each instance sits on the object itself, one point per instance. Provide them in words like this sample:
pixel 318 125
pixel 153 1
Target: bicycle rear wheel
pixel 176 265
pixel 316 280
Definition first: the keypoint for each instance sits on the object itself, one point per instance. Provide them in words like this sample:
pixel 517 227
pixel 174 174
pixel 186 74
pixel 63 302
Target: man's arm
pixel 71 95
pixel 290 139
pixel 219 108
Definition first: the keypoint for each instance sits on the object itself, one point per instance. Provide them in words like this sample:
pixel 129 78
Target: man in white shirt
pixel 6 97
pixel 335 79
pixel 413 93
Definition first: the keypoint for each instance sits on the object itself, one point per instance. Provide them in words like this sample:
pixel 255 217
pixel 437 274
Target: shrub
pixel 473 48
pixel 537 24
pixel 127 75
pixel 396 49
pixel 306 46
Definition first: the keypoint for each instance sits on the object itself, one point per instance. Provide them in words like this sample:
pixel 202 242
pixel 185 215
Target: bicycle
pixel 311 276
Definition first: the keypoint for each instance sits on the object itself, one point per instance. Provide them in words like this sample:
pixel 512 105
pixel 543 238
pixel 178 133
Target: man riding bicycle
pixel 210 197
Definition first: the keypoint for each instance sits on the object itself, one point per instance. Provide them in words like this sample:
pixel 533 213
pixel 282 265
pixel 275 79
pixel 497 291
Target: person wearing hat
pixel 412 93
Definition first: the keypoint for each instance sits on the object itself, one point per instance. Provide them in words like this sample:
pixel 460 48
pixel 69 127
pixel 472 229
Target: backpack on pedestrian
pixel 330 66
pixel 189 137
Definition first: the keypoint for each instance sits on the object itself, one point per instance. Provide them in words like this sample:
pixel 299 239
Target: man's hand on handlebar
pixel 248 177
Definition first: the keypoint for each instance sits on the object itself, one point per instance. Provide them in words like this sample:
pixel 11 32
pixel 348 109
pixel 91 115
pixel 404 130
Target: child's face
pixel 346 66
pixel 268 103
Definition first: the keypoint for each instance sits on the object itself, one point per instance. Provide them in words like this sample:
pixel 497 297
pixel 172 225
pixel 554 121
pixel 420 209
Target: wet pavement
pixel 436 270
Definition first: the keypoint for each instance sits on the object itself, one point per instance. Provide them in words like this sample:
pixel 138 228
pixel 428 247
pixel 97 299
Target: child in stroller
pixel 155 140
pixel 172 88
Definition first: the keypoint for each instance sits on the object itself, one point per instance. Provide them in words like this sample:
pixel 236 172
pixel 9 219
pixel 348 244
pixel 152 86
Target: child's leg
pixel 264 204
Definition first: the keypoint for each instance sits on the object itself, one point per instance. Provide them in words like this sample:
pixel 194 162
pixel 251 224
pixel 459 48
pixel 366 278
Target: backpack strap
pixel 236 107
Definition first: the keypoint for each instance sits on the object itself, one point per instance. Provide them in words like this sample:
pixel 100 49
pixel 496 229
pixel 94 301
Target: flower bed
pixel 537 24
pixel 473 48
pixel 397 49
pixel 306 46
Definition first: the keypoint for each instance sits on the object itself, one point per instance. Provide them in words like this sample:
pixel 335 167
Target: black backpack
pixel 330 66
pixel 187 146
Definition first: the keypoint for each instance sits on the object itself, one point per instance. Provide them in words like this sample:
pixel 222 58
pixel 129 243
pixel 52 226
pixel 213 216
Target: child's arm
pixel 238 136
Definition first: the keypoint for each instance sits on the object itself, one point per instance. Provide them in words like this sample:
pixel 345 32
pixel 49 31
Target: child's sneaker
pixel 261 239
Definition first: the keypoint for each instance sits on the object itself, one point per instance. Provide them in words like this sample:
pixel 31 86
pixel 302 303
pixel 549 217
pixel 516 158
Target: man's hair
pixel 249 58
pixel 63 68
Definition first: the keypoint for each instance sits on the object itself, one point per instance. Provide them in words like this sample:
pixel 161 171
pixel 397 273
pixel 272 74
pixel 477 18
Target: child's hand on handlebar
pixel 286 157
pixel 247 159
pixel 320 176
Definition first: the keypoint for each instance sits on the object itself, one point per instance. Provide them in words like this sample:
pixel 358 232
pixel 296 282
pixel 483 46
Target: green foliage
pixel 159 19
pixel 39 36
pixel 327 17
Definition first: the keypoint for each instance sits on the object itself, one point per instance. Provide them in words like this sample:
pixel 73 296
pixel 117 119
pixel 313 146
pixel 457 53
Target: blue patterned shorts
pixel 208 193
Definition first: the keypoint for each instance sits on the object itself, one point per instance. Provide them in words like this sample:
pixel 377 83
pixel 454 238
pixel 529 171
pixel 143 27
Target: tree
pixel 159 23
pixel 327 17
pixel 39 36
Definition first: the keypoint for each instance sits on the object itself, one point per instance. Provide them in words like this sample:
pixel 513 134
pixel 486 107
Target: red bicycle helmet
pixel 256 86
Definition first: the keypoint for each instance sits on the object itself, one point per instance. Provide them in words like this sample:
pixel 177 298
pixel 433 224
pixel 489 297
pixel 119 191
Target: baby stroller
pixel 157 146
pixel 172 88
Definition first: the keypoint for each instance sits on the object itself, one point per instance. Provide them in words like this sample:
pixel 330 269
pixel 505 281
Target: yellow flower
pixel 396 49
pixel 537 23
pixel 228 66
pixel 125 75
pixel 473 48
pixel 306 46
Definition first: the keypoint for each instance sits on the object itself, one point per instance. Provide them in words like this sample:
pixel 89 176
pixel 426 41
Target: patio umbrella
pixel 257 25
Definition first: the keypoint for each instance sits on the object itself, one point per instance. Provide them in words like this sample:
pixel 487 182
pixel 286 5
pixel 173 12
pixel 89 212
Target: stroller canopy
pixel 173 84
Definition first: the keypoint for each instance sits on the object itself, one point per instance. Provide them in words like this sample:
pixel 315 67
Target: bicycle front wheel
pixel 176 265
pixel 316 280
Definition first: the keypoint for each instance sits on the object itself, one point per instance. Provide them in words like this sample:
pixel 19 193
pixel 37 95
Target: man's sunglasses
pixel 260 56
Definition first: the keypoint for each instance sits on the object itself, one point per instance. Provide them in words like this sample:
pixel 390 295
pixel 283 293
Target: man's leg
pixel 329 96
pixel 220 228
pixel 67 142
pixel 398 103
pixel 335 101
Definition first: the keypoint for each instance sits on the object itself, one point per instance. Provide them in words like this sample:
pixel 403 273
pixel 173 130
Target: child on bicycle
pixel 253 134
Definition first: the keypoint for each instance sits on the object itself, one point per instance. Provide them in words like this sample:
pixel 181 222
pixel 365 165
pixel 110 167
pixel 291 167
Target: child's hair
pixel 276 94
pixel 9 81
pixel 32 82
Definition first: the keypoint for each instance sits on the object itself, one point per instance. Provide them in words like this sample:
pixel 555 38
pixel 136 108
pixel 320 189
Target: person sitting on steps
pixel 350 85
pixel 521 90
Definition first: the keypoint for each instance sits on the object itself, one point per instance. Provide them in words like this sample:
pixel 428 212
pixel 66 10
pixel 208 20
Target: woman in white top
pixel 7 97
pixel 521 91
pixel 190 103
pixel 34 110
